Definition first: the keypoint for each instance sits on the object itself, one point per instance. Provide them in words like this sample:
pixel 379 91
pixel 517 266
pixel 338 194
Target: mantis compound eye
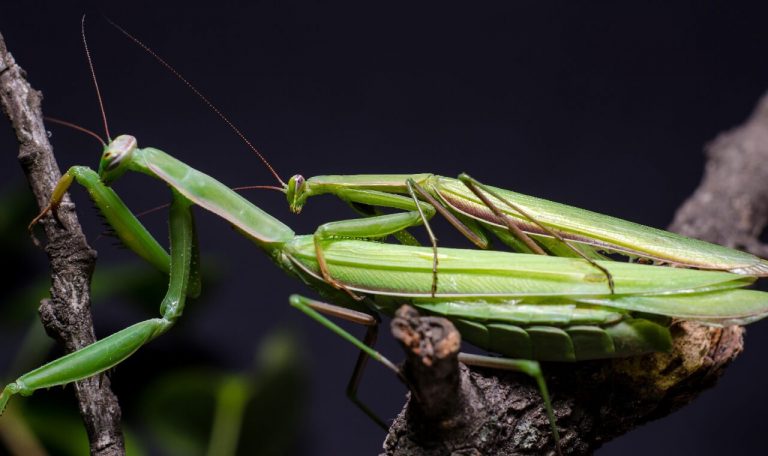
pixel 300 182
pixel 295 193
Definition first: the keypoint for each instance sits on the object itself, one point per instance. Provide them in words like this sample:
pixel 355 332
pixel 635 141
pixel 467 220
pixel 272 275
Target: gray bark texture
pixel 66 316
pixel 469 411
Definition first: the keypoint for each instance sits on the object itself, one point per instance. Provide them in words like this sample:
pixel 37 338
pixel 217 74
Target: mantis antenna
pixel 93 76
pixel 75 127
pixel 201 96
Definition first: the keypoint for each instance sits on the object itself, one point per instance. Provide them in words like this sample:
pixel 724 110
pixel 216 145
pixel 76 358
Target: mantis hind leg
pixel 110 351
pixel 480 190
pixel 316 309
pixel 528 367
pixel 371 334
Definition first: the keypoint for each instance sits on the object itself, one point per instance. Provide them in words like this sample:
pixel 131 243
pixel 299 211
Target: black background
pixel 593 104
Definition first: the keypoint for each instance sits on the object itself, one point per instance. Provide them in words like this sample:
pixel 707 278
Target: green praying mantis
pixel 526 224
pixel 524 306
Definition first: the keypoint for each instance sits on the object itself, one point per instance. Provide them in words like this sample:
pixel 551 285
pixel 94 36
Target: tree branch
pixel 67 314
pixel 479 411
pixel 730 207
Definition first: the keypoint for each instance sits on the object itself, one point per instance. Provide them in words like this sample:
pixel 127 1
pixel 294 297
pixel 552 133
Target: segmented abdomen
pixel 632 336
pixel 530 332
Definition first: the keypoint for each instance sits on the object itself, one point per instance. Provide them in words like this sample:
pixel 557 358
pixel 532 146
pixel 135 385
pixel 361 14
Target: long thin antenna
pixel 257 187
pixel 76 127
pixel 201 96
pixel 93 75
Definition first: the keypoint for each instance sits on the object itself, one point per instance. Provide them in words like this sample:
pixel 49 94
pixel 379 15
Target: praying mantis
pixel 558 299
pixel 473 207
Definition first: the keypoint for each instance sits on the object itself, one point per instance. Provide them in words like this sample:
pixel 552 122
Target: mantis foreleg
pixel 118 216
pixel 110 351
pixel 368 228
pixel 377 226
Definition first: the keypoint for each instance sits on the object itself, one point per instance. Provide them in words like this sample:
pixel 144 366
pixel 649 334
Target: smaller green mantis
pixel 525 223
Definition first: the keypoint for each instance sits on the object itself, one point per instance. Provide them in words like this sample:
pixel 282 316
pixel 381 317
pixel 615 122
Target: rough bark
pixel 67 314
pixel 480 411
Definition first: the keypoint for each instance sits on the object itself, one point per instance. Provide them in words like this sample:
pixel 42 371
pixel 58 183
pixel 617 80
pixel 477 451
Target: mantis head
pixel 117 154
pixel 296 193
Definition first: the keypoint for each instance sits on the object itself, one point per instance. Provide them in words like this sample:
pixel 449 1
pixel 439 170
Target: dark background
pixel 592 104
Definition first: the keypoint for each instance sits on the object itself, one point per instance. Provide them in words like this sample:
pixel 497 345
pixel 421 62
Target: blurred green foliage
pixel 198 412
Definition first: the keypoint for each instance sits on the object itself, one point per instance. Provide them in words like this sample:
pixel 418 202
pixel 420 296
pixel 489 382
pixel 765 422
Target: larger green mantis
pixel 520 305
